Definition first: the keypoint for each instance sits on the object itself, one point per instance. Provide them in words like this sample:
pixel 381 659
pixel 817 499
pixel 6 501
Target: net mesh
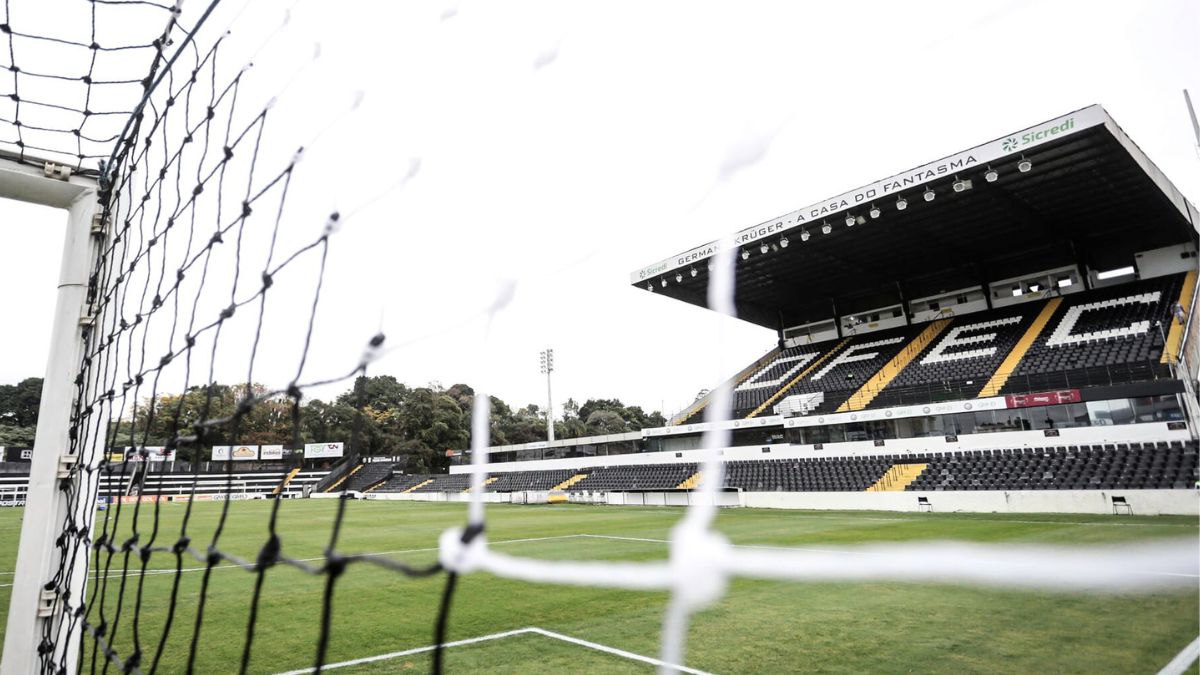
pixel 202 262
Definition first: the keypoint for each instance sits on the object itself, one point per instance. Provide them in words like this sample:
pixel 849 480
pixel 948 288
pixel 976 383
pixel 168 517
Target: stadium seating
pixel 371 473
pixel 1088 346
pixel 529 480
pixel 1126 466
pixel 642 477
pixel 1093 338
pixel 806 475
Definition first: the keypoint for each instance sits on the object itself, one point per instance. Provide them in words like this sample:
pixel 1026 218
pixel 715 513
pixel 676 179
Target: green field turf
pixel 759 627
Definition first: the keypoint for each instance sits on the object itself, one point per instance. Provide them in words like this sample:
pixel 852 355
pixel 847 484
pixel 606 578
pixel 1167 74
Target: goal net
pixel 231 158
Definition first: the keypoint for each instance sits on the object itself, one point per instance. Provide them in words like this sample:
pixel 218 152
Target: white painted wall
pixel 1167 260
pixel 1125 433
pixel 1143 502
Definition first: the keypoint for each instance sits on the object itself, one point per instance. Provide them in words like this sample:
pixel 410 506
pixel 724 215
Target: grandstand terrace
pixel 1012 317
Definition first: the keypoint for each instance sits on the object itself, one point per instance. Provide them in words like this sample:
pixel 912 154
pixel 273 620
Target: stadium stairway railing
pixel 871 388
pixel 774 398
pixel 1010 363
pixel 898 478
pixel 287 480
pixel 336 484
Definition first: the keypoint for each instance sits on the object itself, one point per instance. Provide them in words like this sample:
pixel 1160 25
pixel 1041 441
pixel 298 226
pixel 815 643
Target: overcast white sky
pixel 564 145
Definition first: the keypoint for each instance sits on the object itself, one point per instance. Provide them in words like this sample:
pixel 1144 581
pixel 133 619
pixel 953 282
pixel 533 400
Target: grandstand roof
pixel 1090 197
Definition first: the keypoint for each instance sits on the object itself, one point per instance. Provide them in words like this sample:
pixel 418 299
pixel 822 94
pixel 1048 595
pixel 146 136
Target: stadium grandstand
pixel 1015 317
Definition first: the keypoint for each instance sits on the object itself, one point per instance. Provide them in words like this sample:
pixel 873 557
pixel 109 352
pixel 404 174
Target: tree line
pixel 420 423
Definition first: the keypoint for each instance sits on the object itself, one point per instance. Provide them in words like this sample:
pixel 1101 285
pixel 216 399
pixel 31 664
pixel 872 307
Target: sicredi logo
pixel 1012 142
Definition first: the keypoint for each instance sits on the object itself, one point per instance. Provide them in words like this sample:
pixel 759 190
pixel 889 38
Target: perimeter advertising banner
pixel 322 450
pixel 270 452
pixel 237 453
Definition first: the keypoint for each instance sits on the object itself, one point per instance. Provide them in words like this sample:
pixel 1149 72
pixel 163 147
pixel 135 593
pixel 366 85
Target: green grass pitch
pixel 759 627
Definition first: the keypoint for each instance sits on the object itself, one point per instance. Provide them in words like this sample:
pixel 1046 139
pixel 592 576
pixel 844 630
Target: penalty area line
pixel 1183 660
pixel 529 630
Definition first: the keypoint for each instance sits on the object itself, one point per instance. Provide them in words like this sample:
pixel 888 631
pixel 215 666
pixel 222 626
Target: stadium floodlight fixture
pixel 826 228
pixel 850 220
pixel 901 204
pixel 679 277
pixel 875 212
pixel 959 184
pixel 664 282
pixel 804 235
pixel 1024 165
pixel 783 241
pixel 929 194
pixel 764 248
pixel 991 175
pixel 745 254
pixel 650 286
pixel 693 272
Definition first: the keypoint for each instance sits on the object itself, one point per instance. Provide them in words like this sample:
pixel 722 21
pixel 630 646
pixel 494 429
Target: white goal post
pixel 37 556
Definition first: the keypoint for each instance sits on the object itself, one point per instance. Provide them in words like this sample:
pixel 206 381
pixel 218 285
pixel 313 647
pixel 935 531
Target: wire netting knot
pixel 269 555
pixel 335 564
pixel 181 545
pixel 213 558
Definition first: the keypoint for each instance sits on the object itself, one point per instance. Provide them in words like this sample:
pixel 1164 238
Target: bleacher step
pixel 570 481
pixel 771 400
pixel 418 485
pixel 884 376
pixel 1010 363
pixel 343 479
pixel 286 480
pixel 489 481
pixel 897 478
pixel 1170 353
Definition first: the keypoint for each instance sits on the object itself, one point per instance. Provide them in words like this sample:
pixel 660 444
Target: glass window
pixel 963 423
pixel 1121 411
pixel 1098 413
pixel 1078 413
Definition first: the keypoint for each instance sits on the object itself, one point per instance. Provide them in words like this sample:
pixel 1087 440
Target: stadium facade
pixel 1009 322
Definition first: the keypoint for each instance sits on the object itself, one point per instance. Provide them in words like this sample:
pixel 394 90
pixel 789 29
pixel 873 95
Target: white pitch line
pixel 534 630
pixel 618 652
pixel 161 571
pixel 1183 660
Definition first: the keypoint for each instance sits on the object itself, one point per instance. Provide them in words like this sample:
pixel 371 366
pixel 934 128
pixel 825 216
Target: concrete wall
pixel 1143 502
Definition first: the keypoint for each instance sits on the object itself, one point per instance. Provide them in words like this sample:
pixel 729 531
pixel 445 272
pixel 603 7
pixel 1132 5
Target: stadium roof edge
pixel 993 151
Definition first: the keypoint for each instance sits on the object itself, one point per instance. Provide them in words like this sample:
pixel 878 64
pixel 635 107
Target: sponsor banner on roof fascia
pixel 947 408
pixel 322 450
pixel 975 158
pixel 238 453
pixel 270 452
pixel 767 421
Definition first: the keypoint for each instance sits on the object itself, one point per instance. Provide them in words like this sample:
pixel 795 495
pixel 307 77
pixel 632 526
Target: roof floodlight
pixel 929 194
pixel 745 254
pixel 804 235
pixel 783 241
pixel 875 212
pixel 826 228
pixel 901 204
pixel 664 282
pixel 850 220
pixel 1024 165
pixel 991 175
pixel 959 184
pixel 694 272
pixel 763 248
pixel 679 277
pixel 650 286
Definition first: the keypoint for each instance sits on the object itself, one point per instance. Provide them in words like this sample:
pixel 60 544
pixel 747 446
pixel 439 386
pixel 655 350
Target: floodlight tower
pixel 547 359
